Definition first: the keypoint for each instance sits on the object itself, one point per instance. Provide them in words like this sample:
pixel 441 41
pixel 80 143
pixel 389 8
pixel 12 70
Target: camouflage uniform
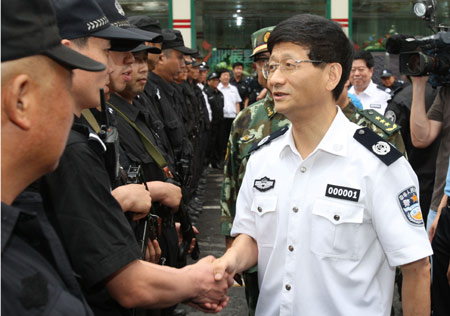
pixel 250 126
pixel 377 123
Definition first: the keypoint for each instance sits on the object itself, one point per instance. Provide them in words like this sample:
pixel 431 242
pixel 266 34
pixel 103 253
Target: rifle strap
pixel 87 114
pixel 151 149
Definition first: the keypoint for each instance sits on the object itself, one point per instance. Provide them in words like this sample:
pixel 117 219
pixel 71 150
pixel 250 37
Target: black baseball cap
pixel 81 18
pixel 195 63
pixel 213 75
pixel 386 73
pixel 149 49
pixel 204 66
pixel 147 23
pixel 29 28
pixel 177 43
pixel 114 12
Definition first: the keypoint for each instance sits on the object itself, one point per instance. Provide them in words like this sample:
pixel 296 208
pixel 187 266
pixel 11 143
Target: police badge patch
pixel 264 184
pixel 409 204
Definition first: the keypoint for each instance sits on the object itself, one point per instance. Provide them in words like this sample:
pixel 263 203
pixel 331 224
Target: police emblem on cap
pixel 409 204
pixel 264 184
pixel 266 37
pixel 119 8
pixel 381 148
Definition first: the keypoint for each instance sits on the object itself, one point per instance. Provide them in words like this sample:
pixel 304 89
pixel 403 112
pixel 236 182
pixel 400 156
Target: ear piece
pixel 20 105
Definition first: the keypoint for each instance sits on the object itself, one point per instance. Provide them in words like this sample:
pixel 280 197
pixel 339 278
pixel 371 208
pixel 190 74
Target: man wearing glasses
pixel 326 209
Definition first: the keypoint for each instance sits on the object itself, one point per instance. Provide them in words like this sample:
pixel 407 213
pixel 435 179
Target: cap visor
pixel 121 45
pixel 149 49
pixel 185 50
pixel 151 36
pixel 113 32
pixel 72 59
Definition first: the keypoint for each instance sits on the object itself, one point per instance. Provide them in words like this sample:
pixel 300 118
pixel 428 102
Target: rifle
pixel 188 233
pixel 151 228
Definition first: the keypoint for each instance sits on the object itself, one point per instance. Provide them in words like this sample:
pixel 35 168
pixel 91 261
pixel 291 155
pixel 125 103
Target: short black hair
pixel 324 39
pixel 366 56
pixel 236 64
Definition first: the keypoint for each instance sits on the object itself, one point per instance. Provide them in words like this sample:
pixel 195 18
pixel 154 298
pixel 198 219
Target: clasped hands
pixel 215 277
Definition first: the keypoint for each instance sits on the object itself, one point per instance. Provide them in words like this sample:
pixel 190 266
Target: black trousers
pixel 440 289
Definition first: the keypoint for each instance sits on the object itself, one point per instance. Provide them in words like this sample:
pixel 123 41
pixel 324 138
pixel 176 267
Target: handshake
pixel 212 278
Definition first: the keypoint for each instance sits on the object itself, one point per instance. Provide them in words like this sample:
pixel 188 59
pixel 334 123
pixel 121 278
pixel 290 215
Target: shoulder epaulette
pixel 380 121
pixel 266 140
pixel 383 88
pixel 377 145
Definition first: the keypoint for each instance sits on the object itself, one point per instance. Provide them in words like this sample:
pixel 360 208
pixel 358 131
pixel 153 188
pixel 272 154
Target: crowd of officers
pixel 130 182
pixel 148 120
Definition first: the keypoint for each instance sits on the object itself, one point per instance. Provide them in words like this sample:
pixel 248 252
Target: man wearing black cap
pixel 201 121
pixel 240 83
pixel 215 99
pixel 36 119
pixel 204 68
pixel 150 24
pixel 160 90
pixel 388 80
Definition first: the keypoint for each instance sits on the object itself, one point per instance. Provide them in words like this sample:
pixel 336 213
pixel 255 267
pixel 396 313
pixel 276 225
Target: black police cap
pixel 213 75
pixel 147 23
pixel 177 43
pixel 29 28
pixel 116 16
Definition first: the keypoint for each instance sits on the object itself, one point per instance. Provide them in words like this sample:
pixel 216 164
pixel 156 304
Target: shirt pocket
pixel 266 218
pixel 335 229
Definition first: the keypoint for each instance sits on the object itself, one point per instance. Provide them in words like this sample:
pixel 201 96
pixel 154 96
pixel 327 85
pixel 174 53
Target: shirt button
pixel 259 209
pixel 291 248
pixel 295 209
pixel 361 132
pixel 336 217
pixel 303 169
pixel 288 287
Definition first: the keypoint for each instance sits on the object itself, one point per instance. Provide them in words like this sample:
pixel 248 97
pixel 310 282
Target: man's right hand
pixel 133 198
pixel 211 294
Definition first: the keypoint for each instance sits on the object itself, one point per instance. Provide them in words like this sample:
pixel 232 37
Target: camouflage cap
pixel 259 40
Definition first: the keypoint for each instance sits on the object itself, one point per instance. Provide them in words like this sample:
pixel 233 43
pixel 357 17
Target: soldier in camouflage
pixel 250 126
pixel 373 120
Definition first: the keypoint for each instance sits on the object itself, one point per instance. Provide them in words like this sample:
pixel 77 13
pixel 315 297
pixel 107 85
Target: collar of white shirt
pixel 334 142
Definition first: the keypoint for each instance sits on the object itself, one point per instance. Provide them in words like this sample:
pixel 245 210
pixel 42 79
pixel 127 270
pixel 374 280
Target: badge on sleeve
pixel 409 204
pixel 264 184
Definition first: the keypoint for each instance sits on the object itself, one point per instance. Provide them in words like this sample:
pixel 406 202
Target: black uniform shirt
pixel 133 149
pixel 172 119
pixel 90 222
pixel 215 99
pixel 33 282
pixel 243 89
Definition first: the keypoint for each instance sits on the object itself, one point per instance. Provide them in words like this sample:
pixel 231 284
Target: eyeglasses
pixel 260 62
pixel 287 66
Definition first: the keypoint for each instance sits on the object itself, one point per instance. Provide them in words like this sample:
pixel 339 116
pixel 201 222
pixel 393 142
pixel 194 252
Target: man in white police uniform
pixel 326 209
pixel 371 95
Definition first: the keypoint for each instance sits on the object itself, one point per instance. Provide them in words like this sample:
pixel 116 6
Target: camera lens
pixel 414 63
pixel 420 9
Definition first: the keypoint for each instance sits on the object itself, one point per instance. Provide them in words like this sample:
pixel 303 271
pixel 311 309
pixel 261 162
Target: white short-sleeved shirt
pixel 372 98
pixel 230 98
pixel 331 228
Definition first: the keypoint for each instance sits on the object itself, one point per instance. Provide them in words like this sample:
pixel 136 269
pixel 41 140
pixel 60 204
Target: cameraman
pixel 425 128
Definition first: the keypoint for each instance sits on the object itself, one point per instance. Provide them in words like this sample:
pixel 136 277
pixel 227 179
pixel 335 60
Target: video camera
pixel 424 56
